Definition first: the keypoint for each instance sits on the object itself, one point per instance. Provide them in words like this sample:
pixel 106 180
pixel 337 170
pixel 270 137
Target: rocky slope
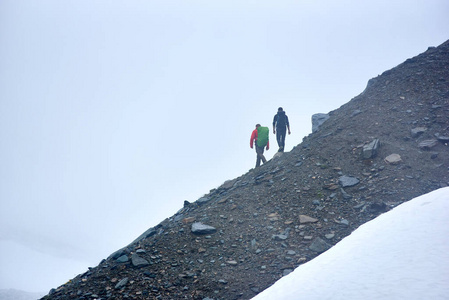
pixel 385 146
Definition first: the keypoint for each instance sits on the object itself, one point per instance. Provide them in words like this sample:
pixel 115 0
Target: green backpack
pixel 262 136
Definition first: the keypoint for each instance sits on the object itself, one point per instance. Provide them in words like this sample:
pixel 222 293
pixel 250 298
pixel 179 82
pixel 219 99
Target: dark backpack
pixel 281 120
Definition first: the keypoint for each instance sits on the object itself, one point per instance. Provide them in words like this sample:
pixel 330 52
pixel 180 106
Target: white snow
pixel 402 254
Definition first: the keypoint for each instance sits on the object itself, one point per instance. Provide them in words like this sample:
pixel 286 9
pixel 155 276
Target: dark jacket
pixel 280 120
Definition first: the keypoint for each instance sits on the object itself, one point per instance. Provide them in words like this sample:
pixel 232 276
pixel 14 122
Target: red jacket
pixel 254 139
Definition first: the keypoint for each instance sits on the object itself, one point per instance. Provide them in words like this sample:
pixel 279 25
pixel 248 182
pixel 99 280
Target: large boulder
pixel 370 150
pixel 318 120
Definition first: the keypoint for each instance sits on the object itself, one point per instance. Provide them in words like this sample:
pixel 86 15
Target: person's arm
pixel 268 145
pixel 288 124
pixel 253 137
pixel 274 123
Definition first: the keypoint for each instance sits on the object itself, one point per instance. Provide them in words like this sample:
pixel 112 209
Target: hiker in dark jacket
pixel 259 137
pixel 280 126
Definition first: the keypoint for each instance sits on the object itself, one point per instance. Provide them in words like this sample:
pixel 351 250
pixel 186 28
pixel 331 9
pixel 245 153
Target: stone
pixel 279 237
pixel 442 138
pixel 428 144
pixel 356 112
pixel 393 159
pixel 344 222
pixel 122 283
pixel 346 181
pixel 330 236
pixel 202 200
pixel 370 150
pixel 273 216
pixel 117 254
pixel 303 219
pixel 345 195
pixel 188 220
pixel 330 186
pixel 319 245
pixel 377 207
pixel 318 120
pixel 122 259
pixel 200 228
pixel 138 261
pixel 415 132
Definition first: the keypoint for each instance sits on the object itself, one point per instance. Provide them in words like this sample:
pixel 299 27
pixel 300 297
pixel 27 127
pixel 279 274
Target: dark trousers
pixel 280 137
pixel 260 157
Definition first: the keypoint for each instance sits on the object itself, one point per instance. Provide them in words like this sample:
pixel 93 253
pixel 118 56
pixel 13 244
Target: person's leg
pixel 260 156
pixel 279 137
pixel 257 156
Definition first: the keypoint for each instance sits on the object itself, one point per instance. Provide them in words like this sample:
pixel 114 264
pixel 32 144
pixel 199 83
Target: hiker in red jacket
pixel 260 138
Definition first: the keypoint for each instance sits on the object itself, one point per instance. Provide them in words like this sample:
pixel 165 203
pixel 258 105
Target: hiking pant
pixel 280 137
pixel 260 157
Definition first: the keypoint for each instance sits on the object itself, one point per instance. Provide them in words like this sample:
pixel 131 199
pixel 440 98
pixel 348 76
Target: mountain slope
pixel 260 226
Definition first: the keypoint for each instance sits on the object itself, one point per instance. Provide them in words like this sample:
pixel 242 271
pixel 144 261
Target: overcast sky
pixel 112 113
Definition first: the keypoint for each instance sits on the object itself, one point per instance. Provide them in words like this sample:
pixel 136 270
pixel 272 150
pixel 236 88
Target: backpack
pixel 262 136
pixel 281 120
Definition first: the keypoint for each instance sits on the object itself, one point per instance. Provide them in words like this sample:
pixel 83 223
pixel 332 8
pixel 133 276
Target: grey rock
pixel 442 138
pixel 202 200
pixel 345 195
pixel 123 259
pixel 200 228
pixel 344 222
pixel 122 283
pixel 286 272
pixel 318 120
pixel 370 150
pixel 279 237
pixel 117 254
pixel 330 236
pixel 303 219
pixel 178 218
pixel 319 245
pixel 415 132
pixel 138 261
pixel 356 112
pixel 346 181
pixel 428 144
pixel 393 159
